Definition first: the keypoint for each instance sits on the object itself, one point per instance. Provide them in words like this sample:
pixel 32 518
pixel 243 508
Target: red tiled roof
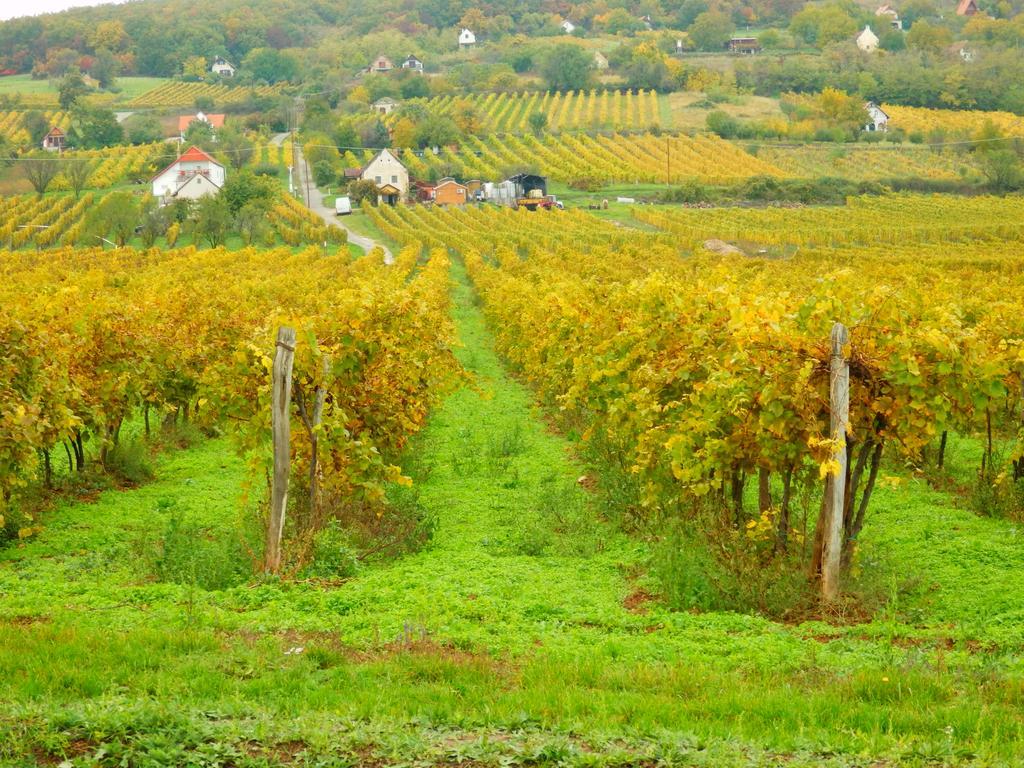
pixel 55 131
pixel 184 121
pixel 191 155
pixel 966 8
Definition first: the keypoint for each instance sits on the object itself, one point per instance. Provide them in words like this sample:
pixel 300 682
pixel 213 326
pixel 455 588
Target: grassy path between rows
pixel 507 639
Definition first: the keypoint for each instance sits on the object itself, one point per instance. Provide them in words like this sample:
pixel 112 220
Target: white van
pixel 342 205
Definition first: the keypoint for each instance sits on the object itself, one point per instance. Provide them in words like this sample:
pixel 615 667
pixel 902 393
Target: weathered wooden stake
pixel 281 429
pixel 839 404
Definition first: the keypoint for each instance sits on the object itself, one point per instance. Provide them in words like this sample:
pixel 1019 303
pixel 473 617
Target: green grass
pixel 14 84
pixel 506 641
pixel 130 87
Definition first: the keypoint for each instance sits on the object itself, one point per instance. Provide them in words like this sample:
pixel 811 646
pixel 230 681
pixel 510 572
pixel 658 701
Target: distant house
pixel 966 54
pixel 384 106
pixel 867 40
pixel 466 39
pixel 568 27
pixel 891 14
pixel 449 192
pixel 413 63
pixel 381 64
pixel 473 187
pixel 648 22
pixel 967 8
pixel 878 120
pixel 390 175
pixel 352 174
pixel 743 45
pixel 424 191
pixel 184 121
pixel 193 175
pixel 600 60
pixel 222 67
pixel 679 45
pixel 56 140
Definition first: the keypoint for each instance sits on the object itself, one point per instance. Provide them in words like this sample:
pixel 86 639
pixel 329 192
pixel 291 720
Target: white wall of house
pixel 196 187
pixel 168 182
pixel 385 168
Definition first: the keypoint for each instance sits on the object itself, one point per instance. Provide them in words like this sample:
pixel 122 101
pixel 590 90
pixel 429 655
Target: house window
pixel 394 179
pixel 377 179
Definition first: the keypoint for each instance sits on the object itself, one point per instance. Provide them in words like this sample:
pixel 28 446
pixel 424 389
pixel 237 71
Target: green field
pixel 130 87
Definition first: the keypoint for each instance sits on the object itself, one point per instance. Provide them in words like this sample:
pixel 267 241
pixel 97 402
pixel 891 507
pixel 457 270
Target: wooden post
pixel 281 429
pixel 839 405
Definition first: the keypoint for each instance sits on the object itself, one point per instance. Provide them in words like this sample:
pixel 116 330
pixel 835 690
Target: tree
pixel 97 128
pixel 213 220
pixel 204 103
pixel 437 131
pixel 72 87
pixel 120 213
pixel 105 69
pixel 143 128
pixel 362 189
pixel 1002 169
pixel 928 37
pixel 323 173
pixel 403 133
pixel 245 187
pixel 194 68
pixel 823 24
pixel 40 171
pixel 77 171
pixel 711 30
pixel 415 87
pixel 270 65
pixel 235 147
pixel 647 68
pixel 251 221
pixel 36 125
pixel 538 122
pixel 567 67
pixel 153 223
pixel 723 124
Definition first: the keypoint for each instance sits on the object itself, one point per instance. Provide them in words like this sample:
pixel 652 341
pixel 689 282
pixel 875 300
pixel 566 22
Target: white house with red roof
pixel 193 175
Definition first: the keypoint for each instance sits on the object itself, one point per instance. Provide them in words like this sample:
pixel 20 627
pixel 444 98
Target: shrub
pixel 188 553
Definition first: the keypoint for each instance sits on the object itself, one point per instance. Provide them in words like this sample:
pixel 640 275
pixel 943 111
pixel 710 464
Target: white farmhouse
pixel 390 176
pixel 568 27
pixel 867 40
pixel 222 67
pixel 414 63
pixel 466 39
pixel 878 120
pixel 193 175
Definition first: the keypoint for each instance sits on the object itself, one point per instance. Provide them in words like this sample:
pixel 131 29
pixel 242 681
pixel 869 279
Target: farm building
pixel 527 184
pixel 56 140
pixel 384 106
pixel 423 191
pixel 390 176
pixel 568 27
pixel 222 67
pixel 600 60
pixel 184 121
pixel 867 40
pixel 381 64
pixel 449 192
pixel 878 120
pixel 967 8
pixel 466 39
pixel 413 63
pixel 473 187
pixel 352 174
pixel 193 175
pixel 743 45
